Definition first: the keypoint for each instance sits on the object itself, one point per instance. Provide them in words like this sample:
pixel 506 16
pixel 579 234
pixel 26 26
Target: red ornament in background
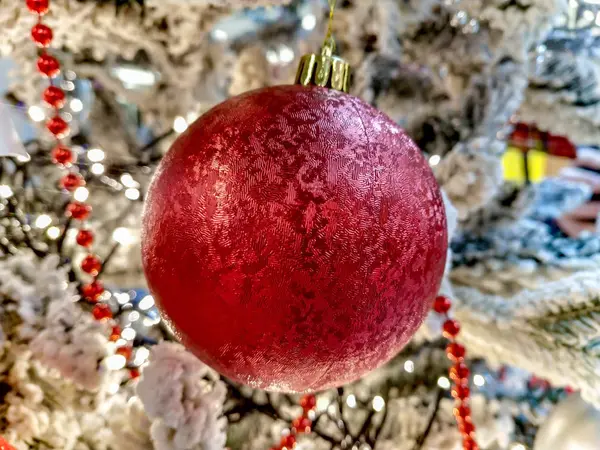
pixel 295 237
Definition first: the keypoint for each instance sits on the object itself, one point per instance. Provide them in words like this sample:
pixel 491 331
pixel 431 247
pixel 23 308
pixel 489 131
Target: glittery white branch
pixel 184 399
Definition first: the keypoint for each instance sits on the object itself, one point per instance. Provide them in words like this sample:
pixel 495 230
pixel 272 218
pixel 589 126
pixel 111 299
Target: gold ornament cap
pixel 325 70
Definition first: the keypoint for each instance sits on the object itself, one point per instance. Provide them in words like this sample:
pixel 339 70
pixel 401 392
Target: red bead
pixel 71 181
pixel 91 264
pixel 134 374
pixel 442 305
pixel 288 442
pixel 54 96
pixel 470 444
pixel 102 312
pixel 455 352
pixel 124 351
pixel 462 411
pixel 41 34
pixel 301 425
pixel 451 328
pixel 58 127
pixel 48 65
pixel 115 333
pixel 467 428
pixel 93 291
pixel 62 155
pixel 308 402
pixel 459 373
pixel 78 211
pixel 4 445
pixel 38 6
pixel 461 391
pixel 85 238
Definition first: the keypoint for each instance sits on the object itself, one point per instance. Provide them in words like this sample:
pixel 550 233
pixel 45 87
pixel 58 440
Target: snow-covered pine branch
pixel 552 331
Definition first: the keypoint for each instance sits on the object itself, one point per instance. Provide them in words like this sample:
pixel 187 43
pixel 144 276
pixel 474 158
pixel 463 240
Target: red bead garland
pixel 459 374
pixel 300 425
pixel 55 97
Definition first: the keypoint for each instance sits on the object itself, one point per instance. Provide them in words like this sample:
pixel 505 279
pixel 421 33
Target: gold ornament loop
pixel 325 70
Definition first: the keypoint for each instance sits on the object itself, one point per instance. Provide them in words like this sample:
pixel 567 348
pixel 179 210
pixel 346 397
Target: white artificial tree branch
pixel 552 331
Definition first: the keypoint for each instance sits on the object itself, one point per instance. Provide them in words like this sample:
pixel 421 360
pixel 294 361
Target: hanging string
pixel 329 43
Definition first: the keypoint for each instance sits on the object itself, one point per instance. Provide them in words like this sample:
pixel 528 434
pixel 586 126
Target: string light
pixel 42 221
pixel 378 403
pixel 53 233
pixel 134 316
pixel 129 334
pixel 434 160
pixel 5 191
pixel 115 362
pixel 220 35
pixel 122 298
pixel 180 124
pixel 146 303
pixel 123 236
pixel 132 194
pixel 81 194
pixel 76 105
pixel 478 380
pixel 36 113
pixel 128 181
pixel 309 22
pixel 351 401
pixel 97 169
pixel 141 356
pixel 95 155
pixel 444 383
pixel 409 366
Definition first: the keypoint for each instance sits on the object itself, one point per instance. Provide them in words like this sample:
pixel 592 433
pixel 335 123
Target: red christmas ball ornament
pixel 42 34
pixel 62 155
pixel 54 96
pixel 38 6
pixel 295 237
pixel 48 65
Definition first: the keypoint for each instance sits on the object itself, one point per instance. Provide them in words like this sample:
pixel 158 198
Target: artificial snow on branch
pixel 184 399
pixel 552 331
